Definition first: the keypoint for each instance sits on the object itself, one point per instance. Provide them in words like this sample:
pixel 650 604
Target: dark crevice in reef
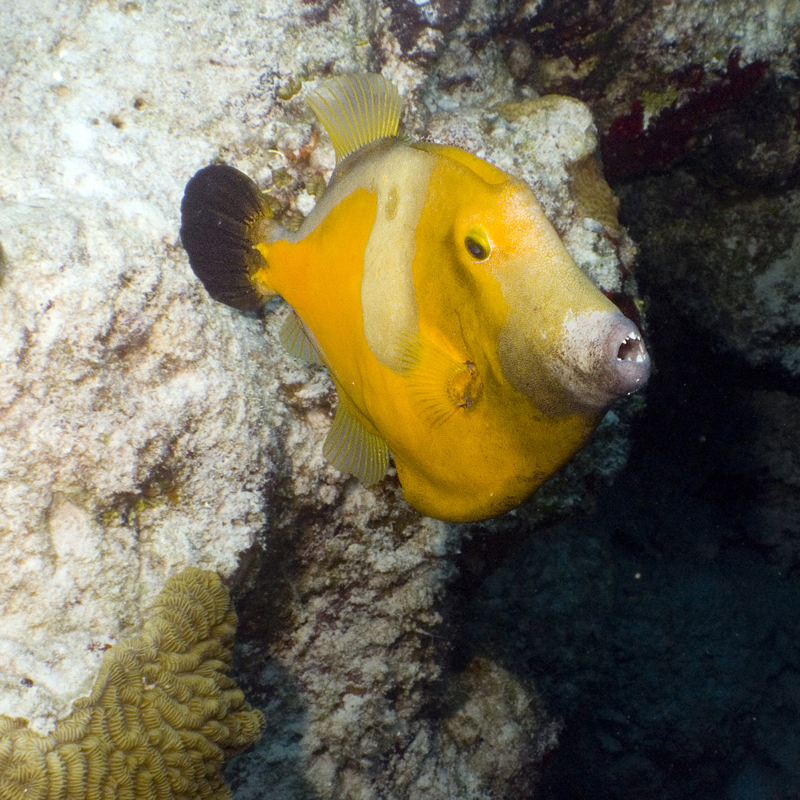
pixel 662 627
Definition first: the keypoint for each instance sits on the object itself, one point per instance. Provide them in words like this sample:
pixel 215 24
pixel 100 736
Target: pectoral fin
pixel 440 384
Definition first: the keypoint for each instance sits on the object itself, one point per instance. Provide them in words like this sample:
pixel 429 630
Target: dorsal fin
pixel 356 110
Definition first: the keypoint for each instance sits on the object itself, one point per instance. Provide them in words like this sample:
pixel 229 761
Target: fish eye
pixel 477 244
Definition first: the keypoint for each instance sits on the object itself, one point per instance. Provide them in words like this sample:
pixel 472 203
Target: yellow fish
pixel 459 333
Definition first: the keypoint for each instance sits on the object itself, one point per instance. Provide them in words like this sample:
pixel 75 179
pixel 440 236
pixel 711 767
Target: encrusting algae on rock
pixel 459 333
pixel 162 717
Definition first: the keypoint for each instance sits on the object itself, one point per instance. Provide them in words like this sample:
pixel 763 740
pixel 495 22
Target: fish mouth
pixel 632 349
pixel 630 361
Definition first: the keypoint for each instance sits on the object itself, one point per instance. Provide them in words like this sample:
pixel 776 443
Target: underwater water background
pixel 662 628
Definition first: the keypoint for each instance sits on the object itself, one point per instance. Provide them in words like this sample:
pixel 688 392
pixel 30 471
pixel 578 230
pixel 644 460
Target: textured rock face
pixel 136 426
pixel 653 661
pixel 660 55
pixel 144 429
pixel 360 696
pixel 707 89
pixel 731 263
pixel 130 437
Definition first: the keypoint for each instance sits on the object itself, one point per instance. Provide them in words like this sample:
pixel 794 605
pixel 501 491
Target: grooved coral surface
pixel 161 718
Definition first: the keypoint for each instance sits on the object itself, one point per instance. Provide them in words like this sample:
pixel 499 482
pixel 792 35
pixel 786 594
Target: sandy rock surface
pixel 144 428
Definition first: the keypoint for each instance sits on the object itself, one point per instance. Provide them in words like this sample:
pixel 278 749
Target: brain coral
pixel 161 718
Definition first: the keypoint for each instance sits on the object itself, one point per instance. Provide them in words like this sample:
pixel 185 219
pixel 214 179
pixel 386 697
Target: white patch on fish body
pixel 388 298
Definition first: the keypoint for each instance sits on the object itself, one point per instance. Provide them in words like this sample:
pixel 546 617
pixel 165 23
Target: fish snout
pixel 604 358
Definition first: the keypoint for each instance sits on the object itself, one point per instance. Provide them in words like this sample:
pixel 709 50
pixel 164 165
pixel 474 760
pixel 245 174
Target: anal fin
pixel 350 447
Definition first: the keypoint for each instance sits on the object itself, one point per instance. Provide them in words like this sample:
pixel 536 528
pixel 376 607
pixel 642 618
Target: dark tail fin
pixel 223 215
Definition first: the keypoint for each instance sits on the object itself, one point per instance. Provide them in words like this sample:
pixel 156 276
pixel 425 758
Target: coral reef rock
pixel 728 258
pixel 353 671
pixel 161 718
pixel 144 429
pixel 138 421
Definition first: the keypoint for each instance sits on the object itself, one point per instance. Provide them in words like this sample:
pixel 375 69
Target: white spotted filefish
pixel 460 335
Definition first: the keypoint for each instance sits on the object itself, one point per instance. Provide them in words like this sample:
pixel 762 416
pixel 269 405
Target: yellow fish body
pixel 459 333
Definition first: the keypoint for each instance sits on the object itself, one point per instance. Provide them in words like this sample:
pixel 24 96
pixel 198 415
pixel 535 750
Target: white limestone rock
pixel 144 428
pixel 136 416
